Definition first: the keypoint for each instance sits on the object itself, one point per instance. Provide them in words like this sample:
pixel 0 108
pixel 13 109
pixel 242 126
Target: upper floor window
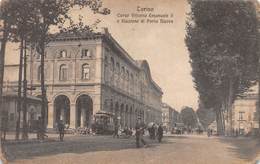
pixel 39 73
pixel 85 53
pixel 63 74
pixel 127 75
pixel 112 64
pixel 241 115
pixel 63 54
pixel 118 68
pixel 123 71
pixel 85 72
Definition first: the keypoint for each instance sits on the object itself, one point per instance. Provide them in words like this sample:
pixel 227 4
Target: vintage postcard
pixel 129 81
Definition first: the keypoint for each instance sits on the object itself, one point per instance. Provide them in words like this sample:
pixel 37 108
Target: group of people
pixel 154 131
pixel 140 131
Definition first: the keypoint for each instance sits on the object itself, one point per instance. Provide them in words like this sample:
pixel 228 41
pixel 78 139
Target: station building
pixel 89 73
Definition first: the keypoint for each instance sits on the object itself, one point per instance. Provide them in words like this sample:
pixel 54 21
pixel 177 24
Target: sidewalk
pixel 32 138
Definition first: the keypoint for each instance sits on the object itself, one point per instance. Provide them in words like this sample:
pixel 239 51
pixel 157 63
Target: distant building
pixel 169 117
pixel 245 116
pixel 10 113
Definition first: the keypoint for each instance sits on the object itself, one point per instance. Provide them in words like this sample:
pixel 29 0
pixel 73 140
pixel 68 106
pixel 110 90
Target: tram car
pixel 103 123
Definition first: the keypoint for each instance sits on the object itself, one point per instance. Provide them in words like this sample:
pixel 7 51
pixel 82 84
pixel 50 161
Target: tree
pixel 189 117
pixel 206 116
pixel 55 13
pixel 21 21
pixel 222 45
pixel 5 8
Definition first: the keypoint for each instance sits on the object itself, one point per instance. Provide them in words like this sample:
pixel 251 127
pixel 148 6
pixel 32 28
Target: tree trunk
pixel 43 90
pixel 219 120
pixel 229 107
pixel 2 63
pixel 223 120
pixel 25 127
pixel 258 101
pixel 19 102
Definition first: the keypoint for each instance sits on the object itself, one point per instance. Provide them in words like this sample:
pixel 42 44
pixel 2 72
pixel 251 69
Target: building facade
pixel 245 116
pixel 10 114
pixel 90 73
pixel 169 117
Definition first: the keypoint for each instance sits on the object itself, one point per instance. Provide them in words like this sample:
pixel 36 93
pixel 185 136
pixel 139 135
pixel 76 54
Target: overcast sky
pixel 162 45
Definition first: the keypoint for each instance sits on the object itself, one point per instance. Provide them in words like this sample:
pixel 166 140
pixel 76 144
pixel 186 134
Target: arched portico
pixel 61 110
pixel 122 117
pixel 84 111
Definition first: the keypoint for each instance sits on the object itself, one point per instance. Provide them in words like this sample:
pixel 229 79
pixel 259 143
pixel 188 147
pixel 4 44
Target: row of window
pixel 241 115
pixel 117 68
pixel 85 53
pixel 63 72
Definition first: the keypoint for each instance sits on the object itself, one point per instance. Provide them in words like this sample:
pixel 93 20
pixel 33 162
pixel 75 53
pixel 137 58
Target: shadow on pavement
pixel 244 148
pixel 78 145
pixel 176 137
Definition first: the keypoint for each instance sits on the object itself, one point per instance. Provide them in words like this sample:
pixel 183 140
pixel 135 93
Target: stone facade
pixel 245 117
pixel 90 73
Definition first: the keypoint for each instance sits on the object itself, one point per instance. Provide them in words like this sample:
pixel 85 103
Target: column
pixel 126 118
pixel 72 115
pixel 130 119
pixel 50 116
pixel 82 120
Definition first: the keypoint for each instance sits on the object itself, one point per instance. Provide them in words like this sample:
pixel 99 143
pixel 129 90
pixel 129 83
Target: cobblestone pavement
pixel 109 150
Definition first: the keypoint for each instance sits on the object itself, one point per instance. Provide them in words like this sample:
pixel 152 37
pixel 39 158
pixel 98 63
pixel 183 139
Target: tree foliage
pixel 206 116
pixel 189 117
pixel 221 39
pixel 31 21
pixel 55 13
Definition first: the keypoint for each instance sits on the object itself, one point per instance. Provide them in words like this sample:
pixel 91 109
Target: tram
pixel 103 123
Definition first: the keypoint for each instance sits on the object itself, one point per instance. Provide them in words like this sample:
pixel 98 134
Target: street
pixel 108 150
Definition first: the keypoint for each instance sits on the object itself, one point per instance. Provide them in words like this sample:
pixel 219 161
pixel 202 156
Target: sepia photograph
pixel 130 81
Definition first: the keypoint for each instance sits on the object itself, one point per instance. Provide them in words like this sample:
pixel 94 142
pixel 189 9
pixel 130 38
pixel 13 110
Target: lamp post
pixel 25 130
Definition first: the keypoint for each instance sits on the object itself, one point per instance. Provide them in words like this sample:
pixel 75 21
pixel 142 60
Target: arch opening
pixel 84 111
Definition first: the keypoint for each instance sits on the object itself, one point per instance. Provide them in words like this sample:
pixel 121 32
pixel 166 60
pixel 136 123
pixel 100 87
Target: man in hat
pixel 61 129
pixel 139 133
pixel 116 128
pixel 160 133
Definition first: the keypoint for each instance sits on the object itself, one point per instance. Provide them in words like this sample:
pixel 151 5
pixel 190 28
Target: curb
pixel 32 141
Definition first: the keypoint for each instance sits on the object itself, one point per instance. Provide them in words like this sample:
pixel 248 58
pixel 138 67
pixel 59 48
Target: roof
pixel 144 64
pixel 107 37
pixel 14 94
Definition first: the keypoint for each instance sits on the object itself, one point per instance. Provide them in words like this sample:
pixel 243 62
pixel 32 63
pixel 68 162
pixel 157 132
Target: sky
pixel 161 44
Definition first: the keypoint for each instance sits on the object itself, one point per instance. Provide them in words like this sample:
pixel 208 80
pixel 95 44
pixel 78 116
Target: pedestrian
pixel 61 129
pixel 139 133
pixel 116 128
pixel 4 124
pixel 160 133
pixel 209 132
pixel 39 129
pixel 153 131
